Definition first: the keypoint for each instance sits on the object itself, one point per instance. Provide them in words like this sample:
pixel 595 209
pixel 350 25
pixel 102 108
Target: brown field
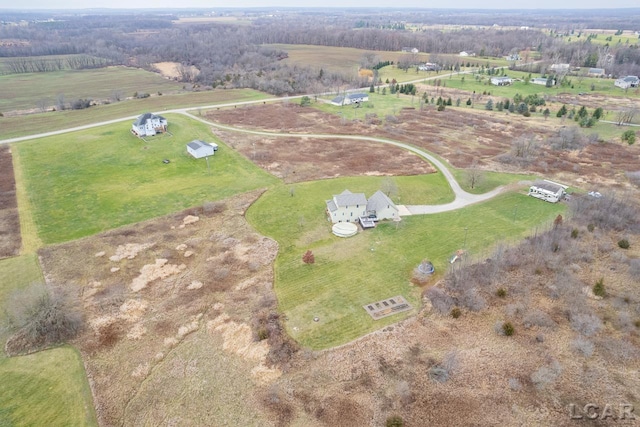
pixel 9 219
pixel 459 135
pixel 184 348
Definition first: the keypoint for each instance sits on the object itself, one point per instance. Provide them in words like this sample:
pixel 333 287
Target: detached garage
pixel 199 149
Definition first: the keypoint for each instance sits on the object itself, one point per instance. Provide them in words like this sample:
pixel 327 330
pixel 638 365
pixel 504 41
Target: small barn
pixel 547 190
pixel 199 149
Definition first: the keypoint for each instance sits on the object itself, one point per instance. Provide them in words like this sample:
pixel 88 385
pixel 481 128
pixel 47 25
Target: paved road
pixel 462 198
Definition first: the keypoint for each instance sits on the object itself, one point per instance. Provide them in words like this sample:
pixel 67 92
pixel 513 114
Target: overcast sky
pixel 475 4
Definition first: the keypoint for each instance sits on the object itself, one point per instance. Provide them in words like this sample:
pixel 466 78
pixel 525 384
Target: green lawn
pixel 580 85
pixel 373 265
pixel 490 180
pixel 382 105
pixel 45 388
pixel 11 127
pixel 90 181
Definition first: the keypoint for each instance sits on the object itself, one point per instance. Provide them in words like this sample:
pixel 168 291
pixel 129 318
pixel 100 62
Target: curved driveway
pixel 462 198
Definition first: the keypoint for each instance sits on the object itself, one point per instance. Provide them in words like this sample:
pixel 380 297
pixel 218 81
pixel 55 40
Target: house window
pixel 351 213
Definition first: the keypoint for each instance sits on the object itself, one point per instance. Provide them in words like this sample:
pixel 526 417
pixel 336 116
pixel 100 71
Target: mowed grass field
pixel 580 85
pixel 45 388
pixel 375 264
pixel 85 182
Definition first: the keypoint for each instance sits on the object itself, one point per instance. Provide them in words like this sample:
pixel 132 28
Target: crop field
pixel 89 181
pixel 34 389
pixel 17 126
pixel 347 60
pixel 375 264
pixel 26 91
pixel 48 63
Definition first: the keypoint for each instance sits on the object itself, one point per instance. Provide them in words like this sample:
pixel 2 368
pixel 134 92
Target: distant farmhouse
pixel 149 124
pixel 354 207
pixel 548 191
pixel 429 66
pixel 410 49
pixel 199 149
pixel 596 72
pixel 464 53
pixel 513 57
pixel 501 81
pixel 560 68
pixel 351 98
pixel 627 82
pixel 539 81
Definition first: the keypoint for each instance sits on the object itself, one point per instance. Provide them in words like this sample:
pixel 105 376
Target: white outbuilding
pixel 199 149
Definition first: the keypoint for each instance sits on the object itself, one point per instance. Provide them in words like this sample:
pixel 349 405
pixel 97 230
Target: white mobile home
pixel 547 191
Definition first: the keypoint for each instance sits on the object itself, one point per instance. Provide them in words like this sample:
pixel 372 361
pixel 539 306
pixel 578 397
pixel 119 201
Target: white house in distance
pixel 547 190
pixel 351 98
pixel 627 82
pixel 351 207
pixel 199 149
pixel 501 81
pixel 149 124
pixel 464 53
pixel 539 81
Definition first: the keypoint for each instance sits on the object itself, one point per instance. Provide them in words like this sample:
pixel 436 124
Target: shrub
pixel 439 299
pixel 623 243
pixel 395 421
pixel 545 375
pixel 508 328
pixel 586 324
pixel 455 312
pixel 574 233
pixel 629 137
pixel 308 257
pixel 590 227
pixel 501 293
pixel 538 318
pixel 43 319
pixel 263 333
pixel 582 346
pixel 598 288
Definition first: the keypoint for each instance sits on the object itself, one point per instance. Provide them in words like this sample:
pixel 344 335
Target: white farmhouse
pixel 351 98
pixel 199 149
pixel 149 124
pixel 347 207
pixel 547 190
pixel 542 81
pixel 627 82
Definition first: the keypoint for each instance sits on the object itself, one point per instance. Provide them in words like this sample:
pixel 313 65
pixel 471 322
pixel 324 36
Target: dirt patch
pixel 10 239
pixel 171 69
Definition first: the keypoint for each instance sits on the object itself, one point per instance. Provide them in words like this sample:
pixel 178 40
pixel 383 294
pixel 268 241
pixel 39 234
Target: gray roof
pixel 337 100
pixel 357 95
pixel 141 120
pixel 379 201
pixel 554 188
pixel 347 198
pixel 631 79
pixel 331 206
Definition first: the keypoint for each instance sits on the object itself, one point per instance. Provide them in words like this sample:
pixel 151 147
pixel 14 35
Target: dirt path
pixel 462 198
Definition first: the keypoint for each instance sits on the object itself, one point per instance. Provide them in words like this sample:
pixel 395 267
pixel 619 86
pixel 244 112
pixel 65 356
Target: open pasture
pixel 31 90
pixel 85 182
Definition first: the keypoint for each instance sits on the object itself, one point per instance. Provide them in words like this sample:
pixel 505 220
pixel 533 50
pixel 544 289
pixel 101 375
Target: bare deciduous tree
pixel 474 175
